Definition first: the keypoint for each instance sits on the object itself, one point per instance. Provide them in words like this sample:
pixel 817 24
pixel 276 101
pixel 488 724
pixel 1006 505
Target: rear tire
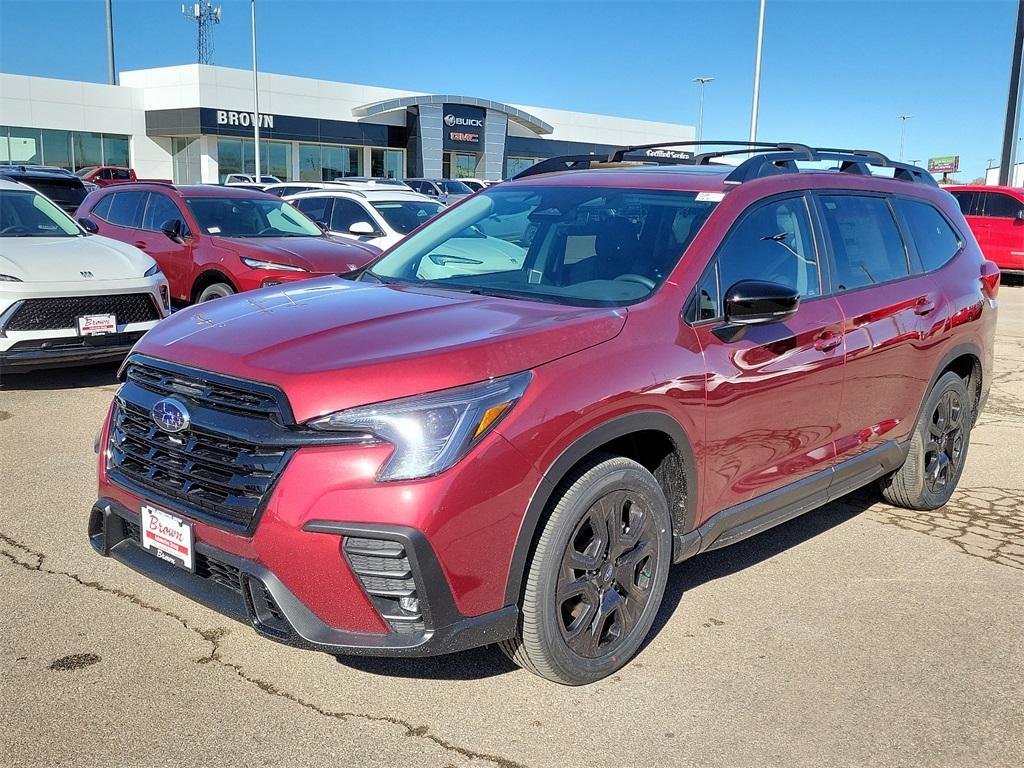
pixel 214 291
pixel 597 574
pixel 938 449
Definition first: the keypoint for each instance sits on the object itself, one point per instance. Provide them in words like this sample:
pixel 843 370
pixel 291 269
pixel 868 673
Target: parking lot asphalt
pixel 858 634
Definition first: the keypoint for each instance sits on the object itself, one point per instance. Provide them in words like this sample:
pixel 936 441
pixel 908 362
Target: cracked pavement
pixel 858 634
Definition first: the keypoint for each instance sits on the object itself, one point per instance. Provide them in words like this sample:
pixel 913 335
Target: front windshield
pixel 250 217
pixel 404 217
pixel 455 188
pixel 24 213
pixel 586 246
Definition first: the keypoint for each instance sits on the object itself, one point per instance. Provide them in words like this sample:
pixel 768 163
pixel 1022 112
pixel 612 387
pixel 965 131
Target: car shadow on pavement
pixel 486 662
pixel 80 377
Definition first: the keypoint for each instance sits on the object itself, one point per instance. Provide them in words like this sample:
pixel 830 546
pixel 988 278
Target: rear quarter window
pixel 934 239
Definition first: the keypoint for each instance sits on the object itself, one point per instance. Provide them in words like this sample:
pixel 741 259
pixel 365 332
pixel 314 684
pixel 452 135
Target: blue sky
pixel 834 73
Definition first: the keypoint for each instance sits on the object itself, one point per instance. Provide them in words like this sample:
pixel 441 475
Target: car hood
pixel 332 344
pixel 317 254
pixel 64 259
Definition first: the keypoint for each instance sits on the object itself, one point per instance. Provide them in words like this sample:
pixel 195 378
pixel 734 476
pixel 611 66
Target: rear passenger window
pixel 126 209
pixel 102 209
pixel 866 244
pixel 773 242
pixel 934 239
pixel 1002 206
pixel 967 201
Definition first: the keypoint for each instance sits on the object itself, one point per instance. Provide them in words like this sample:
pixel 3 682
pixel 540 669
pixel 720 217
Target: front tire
pixel 938 449
pixel 214 291
pixel 597 574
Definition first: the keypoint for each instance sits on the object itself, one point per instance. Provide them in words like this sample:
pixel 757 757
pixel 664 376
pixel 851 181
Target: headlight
pixel 431 432
pixel 9 279
pixel 154 270
pixel 260 264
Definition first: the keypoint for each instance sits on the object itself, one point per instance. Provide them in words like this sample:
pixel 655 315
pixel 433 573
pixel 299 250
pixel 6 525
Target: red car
pixel 996 217
pixel 515 449
pixel 213 241
pixel 104 175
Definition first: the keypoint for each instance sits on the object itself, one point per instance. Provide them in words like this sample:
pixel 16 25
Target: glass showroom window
pixel 389 163
pixel 185 152
pixel 518 164
pixel 325 162
pixel 239 156
pixel 57 149
pixel 72 150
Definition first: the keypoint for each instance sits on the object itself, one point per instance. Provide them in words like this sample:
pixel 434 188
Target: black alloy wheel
pixel 605 581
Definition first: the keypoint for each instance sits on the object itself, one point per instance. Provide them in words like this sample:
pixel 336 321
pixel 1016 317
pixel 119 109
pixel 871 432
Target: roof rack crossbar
pixel 767 159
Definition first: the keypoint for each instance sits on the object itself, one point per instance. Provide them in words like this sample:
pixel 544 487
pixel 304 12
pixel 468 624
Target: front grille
pixel 245 399
pixel 383 568
pixel 57 313
pixel 224 478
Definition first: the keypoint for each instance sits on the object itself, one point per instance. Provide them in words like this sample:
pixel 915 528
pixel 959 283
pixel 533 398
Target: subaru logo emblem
pixel 170 415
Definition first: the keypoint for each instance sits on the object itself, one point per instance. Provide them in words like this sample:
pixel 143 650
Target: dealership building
pixel 194 123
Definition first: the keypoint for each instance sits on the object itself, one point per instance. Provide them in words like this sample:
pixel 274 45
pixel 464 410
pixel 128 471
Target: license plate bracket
pixel 168 537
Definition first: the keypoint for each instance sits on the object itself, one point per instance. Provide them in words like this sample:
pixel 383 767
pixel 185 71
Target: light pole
pixel 255 95
pixel 757 74
pixel 701 81
pixel 903 131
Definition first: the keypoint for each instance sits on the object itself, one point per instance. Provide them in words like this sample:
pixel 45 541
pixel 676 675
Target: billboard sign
pixel 947 164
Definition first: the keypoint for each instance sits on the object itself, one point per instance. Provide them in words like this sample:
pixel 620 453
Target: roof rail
pixel 767 159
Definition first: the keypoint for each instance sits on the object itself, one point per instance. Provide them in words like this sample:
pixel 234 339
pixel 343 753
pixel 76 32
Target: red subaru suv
pixel 468 445
pixel 996 217
pixel 212 241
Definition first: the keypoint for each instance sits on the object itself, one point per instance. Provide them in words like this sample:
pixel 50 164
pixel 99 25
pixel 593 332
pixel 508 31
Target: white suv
pixel 66 296
pixel 380 215
pixel 384 217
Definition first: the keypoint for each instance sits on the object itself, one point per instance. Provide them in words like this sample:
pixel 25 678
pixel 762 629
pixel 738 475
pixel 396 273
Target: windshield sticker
pixel 213 230
pixel 710 197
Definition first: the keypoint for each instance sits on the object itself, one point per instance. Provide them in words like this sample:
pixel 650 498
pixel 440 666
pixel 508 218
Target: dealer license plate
pixel 96 325
pixel 168 537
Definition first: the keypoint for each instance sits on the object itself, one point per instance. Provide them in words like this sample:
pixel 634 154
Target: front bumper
pixel 25 356
pixel 247 591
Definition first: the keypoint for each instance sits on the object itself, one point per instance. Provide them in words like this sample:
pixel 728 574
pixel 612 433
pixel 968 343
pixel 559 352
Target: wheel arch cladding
pixel 652 439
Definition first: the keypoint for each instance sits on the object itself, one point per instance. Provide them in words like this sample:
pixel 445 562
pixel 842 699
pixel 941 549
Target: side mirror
pixel 363 228
pixel 756 302
pixel 89 225
pixel 1020 216
pixel 172 228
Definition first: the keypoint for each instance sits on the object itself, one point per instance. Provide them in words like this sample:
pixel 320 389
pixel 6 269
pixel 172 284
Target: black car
pixel 61 186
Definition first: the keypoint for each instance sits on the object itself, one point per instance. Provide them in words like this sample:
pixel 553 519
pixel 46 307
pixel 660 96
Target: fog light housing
pixel 165 297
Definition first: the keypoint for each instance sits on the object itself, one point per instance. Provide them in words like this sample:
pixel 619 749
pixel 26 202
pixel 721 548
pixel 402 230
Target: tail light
pixel 989 279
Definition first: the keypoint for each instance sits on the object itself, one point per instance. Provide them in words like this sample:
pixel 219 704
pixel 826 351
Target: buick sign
pixel 170 415
pixel 464 126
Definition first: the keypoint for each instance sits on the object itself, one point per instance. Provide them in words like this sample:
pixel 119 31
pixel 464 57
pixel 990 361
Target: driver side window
pixel 774 242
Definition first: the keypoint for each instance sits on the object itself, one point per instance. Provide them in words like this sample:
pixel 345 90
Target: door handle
pixel 823 342
pixel 923 306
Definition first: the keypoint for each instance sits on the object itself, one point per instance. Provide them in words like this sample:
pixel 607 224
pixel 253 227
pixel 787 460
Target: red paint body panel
pixel 760 412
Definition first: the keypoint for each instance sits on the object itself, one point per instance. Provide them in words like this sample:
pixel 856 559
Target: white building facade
pixel 194 124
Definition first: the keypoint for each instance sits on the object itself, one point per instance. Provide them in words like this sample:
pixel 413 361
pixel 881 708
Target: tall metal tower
pixel 204 16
